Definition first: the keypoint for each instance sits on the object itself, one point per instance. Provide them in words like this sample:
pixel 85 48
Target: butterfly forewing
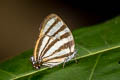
pixel 55 43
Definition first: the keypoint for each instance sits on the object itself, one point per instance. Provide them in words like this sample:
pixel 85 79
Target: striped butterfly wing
pixel 55 43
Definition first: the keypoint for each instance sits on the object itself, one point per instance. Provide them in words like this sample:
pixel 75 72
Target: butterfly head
pixel 36 64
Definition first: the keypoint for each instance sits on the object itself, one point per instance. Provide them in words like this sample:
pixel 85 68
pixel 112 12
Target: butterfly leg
pixel 66 59
pixel 48 65
pixel 70 57
pixel 75 56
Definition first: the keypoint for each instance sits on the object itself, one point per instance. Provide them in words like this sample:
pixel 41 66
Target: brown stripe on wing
pixel 56 21
pixel 54 61
pixel 58 57
pixel 49 46
pixel 45 46
pixel 61 29
pixel 37 46
pixel 65 35
pixel 53 42
pixel 64 46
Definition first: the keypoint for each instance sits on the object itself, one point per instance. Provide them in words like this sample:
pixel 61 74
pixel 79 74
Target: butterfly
pixel 55 44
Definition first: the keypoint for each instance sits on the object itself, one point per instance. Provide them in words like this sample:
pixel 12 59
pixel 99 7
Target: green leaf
pixel 98 58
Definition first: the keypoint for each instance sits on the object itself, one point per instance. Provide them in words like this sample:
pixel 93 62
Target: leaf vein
pixel 94 67
pixel 7 72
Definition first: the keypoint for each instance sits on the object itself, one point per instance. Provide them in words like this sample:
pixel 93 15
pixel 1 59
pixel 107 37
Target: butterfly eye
pixel 38 67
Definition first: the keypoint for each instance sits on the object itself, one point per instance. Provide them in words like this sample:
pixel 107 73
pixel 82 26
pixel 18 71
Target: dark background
pixel 20 20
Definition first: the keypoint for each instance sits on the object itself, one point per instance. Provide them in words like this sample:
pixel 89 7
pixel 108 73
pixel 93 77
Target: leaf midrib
pixel 93 53
pixel 100 51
